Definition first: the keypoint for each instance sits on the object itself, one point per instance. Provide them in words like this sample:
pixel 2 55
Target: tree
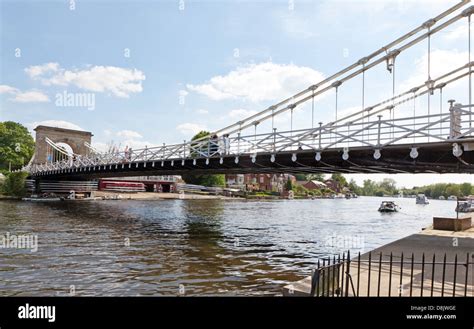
pixel 369 187
pixel 354 187
pixel 308 177
pixel 438 190
pixel 205 180
pixel 389 185
pixel 289 185
pixel 340 179
pixel 466 189
pixel 14 185
pixel 453 189
pixel 16 145
pixel 318 176
pixel 301 177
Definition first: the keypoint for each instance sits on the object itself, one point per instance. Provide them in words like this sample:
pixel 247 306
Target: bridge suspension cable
pixel 469 54
pixel 247 122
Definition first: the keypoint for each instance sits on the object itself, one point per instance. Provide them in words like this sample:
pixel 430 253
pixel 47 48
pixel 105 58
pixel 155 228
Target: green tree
pixel 389 186
pixel 340 179
pixel 16 145
pixel 308 177
pixel 437 190
pixel 379 193
pixel 14 184
pixel 318 176
pixel 354 187
pixel 289 185
pixel 205 180
pixel 301 190
pixel 369 187
pixel 301 177
pixel 466 189
pixel 453 189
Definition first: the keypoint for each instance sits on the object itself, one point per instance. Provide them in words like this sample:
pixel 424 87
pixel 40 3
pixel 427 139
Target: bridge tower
pixel 75 139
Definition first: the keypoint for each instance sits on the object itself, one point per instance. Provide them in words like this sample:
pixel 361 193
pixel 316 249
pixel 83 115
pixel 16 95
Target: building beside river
pixel 259 182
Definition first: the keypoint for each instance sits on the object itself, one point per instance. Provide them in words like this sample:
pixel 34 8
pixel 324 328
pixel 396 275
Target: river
pixel 190 247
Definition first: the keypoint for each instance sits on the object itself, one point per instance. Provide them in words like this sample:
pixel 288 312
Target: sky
pixel 146 72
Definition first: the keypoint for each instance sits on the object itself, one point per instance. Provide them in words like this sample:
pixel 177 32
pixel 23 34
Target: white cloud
pixel 136 144
pixel 259 82
pixel 442 61
pixel 202 111
pixel 129 134
pixel 101 147
pixel 125 138
pixel 458 32
pixel 32 96
pixel 18 96
pixel 348 111
pixel 35 71
pixel 121 82
pixel 4 89
pixel 54 123
pixel 190 128
pixel 241 113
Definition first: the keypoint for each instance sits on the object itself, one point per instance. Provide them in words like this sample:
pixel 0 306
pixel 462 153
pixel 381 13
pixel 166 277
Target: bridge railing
pixel 376 133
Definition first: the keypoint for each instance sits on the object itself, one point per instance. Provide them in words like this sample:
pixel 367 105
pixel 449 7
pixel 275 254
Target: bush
pixel 300 190
pixel 14 185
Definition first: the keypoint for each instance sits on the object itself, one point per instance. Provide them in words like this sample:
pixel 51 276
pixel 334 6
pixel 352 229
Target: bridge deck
pixel 432 158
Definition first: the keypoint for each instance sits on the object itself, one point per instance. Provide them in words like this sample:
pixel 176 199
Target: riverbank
pixel 143 196
pixel 7 197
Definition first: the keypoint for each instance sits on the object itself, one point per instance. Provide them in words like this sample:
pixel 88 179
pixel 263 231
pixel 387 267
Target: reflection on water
pixel 210 247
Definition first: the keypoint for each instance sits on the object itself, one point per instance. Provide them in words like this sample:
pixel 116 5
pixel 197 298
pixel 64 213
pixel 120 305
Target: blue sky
pixel 162 70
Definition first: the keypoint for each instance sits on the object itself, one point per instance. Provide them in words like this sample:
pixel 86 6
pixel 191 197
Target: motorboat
pixel 422 199
pixel 388 206
pixel 466 205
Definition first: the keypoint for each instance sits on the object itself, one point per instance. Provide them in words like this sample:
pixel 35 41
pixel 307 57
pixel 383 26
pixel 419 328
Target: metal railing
pixel 390 275
pixel 453 127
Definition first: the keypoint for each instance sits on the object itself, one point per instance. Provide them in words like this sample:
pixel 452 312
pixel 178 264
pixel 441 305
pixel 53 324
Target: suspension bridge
pixel 375 139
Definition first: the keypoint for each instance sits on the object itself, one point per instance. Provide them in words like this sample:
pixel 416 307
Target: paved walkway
pixel 429 242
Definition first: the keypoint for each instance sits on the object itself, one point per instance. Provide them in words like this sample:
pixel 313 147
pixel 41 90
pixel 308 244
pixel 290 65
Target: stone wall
pixel 74 138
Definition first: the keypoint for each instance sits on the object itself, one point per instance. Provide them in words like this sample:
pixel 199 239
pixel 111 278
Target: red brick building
pixel 314 185
pixel 259 182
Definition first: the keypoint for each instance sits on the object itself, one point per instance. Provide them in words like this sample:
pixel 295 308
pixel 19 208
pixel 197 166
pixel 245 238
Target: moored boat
pixel 466 205
pixel 42 199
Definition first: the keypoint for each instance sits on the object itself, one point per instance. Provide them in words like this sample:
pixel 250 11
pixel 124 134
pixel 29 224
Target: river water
pixel 190 247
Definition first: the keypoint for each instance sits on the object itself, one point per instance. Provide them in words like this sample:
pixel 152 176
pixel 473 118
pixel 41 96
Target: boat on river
pixel 466 205
pixel 422 199
pixel 388 206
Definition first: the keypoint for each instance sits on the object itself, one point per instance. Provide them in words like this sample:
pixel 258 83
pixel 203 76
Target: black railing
pixel 391 275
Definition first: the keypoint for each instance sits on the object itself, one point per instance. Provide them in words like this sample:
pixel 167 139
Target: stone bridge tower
pixel 74 138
